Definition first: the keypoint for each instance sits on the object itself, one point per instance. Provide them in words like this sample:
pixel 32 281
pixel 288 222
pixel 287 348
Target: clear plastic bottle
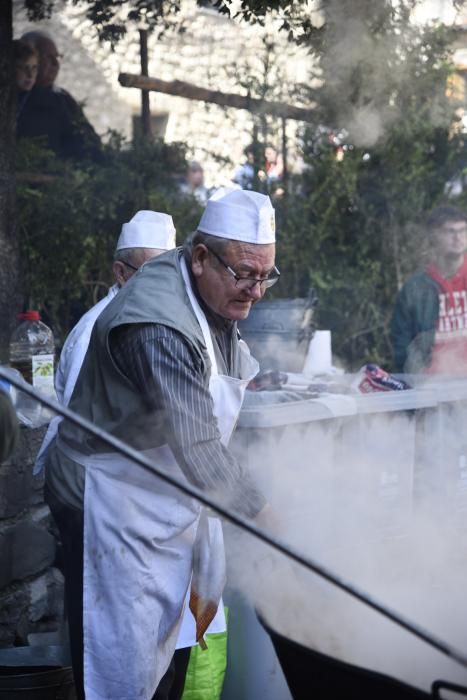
pixel 32 351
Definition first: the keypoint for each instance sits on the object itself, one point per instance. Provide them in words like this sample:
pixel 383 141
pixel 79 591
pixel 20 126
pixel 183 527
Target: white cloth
pixel 138 546
pixel 148 229
pixel 239 215
pixel 138 538
pixel 75 347
pixel 71 359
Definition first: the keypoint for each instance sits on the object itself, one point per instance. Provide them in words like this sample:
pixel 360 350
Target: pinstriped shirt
pixel 158 361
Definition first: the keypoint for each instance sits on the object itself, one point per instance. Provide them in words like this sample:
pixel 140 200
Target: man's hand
pixel 267 520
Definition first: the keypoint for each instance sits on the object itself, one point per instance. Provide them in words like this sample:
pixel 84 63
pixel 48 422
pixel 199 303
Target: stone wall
pixel 31 587
pixel 213 51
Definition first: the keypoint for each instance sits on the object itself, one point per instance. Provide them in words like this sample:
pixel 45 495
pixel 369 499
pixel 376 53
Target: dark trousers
pixel 70 523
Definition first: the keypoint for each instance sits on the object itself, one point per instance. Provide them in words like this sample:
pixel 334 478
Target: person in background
pixel 147 235
pixel 26 67
pixel 194 183
pixel 165 371
pixel 274 166
pixel 51 113
pixel 9 429
pixel 429 323
pixel 244 175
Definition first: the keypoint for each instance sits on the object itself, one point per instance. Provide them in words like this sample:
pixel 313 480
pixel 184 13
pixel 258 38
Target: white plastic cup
pixel 319 355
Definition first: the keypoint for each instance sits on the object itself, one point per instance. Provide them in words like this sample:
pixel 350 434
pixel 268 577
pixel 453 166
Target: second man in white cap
pixel 148 234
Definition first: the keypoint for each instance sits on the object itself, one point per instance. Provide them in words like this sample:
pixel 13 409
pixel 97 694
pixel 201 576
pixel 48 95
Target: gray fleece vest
pixel 103 395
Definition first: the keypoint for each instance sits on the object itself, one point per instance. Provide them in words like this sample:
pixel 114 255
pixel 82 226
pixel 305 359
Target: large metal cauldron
pixel 310 674
pixel 397 452
pixel 278 333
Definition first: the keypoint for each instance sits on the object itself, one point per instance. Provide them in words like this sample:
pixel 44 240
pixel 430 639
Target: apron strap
pixel 201 317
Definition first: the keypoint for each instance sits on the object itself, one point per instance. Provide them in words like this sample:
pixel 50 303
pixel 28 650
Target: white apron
pixel 138 551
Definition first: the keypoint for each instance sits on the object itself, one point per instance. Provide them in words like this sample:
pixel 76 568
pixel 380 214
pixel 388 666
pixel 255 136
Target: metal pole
pixel 247 525
pixel 285 173
pixel 145 109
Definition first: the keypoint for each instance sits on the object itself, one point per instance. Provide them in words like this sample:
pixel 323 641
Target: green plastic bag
pixel 206 669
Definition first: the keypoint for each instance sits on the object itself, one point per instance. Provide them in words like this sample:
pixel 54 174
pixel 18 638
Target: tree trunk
pixel 9 256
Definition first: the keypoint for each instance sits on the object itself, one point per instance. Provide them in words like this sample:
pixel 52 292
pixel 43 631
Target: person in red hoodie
pixel 429 324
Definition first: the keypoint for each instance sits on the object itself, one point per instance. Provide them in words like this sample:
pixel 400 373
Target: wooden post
pixel 145 109
pixel 285 173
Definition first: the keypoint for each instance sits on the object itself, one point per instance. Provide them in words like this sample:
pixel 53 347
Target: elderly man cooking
pixel 165 371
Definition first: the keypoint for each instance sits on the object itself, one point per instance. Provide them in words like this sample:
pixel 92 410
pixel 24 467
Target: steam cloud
pixel 374 67
pixel 382 500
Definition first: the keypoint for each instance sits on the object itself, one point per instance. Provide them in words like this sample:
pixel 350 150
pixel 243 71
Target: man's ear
pixel 118 269
pixel 199 258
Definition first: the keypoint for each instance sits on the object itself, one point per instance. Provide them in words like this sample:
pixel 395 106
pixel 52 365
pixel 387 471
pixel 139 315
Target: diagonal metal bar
pixel 230 515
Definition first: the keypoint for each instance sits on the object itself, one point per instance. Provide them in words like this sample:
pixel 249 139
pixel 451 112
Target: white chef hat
pixel 148 229
pixel 240 215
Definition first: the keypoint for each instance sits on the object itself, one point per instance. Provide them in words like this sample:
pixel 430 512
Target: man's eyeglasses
pixel 249 283
pixel 132 267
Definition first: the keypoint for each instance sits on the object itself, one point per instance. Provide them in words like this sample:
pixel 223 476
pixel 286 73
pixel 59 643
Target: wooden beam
pixel 226 99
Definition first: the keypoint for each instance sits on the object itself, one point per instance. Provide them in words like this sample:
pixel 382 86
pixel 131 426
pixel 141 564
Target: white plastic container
pixel 319 357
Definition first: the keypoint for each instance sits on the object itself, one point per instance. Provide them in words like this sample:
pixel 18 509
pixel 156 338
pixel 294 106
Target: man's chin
pixel 239 310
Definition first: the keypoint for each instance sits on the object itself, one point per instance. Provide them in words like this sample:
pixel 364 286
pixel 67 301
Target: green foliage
pixel 111 18
pixel 354 231
pixel 69 226
pixel 353 228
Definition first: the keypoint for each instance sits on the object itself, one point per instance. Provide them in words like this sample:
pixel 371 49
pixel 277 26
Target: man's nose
pixel 257 291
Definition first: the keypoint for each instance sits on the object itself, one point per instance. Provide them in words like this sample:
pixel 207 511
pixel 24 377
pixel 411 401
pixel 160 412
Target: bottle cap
pixel 29 316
